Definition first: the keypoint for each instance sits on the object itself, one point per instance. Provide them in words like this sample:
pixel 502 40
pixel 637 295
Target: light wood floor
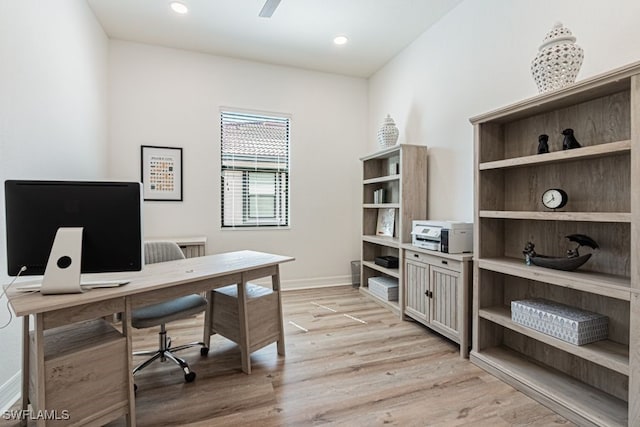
pixel 349 362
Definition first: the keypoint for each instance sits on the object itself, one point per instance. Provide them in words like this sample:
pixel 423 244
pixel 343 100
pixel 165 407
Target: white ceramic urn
pixel 558 61
pixel 388 133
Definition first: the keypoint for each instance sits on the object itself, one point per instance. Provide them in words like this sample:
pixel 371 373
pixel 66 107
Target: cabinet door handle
pixel 416 256
pixel 426 293
pixel 445 262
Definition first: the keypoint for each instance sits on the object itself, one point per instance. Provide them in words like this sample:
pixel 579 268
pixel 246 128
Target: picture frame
pixel 386 222
pixel 161 173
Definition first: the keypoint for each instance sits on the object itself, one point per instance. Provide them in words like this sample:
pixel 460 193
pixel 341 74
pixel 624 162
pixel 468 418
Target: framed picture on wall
pixel 161 170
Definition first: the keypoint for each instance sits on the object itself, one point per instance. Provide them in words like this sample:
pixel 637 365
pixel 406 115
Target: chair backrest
pixel 161 251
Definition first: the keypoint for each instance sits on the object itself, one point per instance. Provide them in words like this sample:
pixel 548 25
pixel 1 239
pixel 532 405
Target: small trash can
pixel 355 273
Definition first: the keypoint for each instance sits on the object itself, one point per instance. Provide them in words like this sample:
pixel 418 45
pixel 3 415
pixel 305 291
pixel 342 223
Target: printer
pixel 451 237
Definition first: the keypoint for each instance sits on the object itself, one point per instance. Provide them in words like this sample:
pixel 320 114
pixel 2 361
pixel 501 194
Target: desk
pixel 155 283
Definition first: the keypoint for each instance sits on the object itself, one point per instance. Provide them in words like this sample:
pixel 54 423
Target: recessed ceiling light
pixel 340 40
pixel 179 7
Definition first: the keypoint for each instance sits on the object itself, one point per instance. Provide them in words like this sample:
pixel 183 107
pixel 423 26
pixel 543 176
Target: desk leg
pixel 127 330
pixel 275 284
pixel 245 352
pixel 40 398
pixel 25 369
pixel 206 338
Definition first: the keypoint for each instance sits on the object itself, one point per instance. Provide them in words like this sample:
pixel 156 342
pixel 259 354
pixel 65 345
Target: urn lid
pixel 557 34
pixel 388 120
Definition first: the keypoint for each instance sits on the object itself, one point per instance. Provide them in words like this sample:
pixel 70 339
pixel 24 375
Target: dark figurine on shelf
pixel 572 261
pixel 570 140
pixel 529 249
pixel 529 252
pixel 543 144
pixel 573 253
pixel 580 240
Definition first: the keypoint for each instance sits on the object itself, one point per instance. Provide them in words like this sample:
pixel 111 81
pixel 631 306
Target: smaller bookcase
pixel 394 193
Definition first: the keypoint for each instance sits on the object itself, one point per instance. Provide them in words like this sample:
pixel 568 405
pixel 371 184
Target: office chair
pixel 167 311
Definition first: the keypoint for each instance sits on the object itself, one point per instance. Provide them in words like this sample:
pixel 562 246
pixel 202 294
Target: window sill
pixel 255 228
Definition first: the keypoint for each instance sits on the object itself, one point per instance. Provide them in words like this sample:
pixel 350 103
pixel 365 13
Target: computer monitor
pixel 108 216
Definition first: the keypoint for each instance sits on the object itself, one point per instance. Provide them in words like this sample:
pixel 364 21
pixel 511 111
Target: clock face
pixel 554 198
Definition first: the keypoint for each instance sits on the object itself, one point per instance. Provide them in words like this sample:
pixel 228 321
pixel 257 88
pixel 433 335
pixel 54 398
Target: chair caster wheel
pixel 204 351
pixel 190 377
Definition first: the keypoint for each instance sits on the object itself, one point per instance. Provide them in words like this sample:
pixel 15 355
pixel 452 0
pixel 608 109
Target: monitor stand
pixel 62 274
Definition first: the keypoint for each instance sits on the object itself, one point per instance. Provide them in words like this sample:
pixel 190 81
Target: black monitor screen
pixel 109 212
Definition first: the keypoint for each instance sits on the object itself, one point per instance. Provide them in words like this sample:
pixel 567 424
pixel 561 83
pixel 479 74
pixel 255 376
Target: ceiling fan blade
pixel 268 8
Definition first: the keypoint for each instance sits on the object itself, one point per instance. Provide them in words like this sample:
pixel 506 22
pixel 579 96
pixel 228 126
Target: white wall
pixel 53 110
pixel 53 118
pixel 169 97
pixel 477 59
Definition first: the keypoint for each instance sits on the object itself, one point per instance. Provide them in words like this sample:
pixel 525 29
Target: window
pixel 255 170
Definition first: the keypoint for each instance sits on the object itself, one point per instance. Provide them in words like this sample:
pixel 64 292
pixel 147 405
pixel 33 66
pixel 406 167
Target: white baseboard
pixel 321 282
pixel 10 392
pixel 318 282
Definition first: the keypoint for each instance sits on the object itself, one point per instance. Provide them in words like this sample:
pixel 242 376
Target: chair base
pixel 165 352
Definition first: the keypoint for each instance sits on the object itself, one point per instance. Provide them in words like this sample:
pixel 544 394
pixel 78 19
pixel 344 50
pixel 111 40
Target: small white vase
pixel 558 61
pixel 388 133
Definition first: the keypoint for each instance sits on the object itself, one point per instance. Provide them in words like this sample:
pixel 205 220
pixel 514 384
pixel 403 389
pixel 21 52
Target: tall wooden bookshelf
pixel 401 171
pixel 597 383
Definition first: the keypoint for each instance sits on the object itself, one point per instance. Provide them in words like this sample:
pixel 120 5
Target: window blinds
pixel 255 170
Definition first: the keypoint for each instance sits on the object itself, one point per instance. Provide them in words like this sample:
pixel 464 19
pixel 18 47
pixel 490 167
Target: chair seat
pixel 167 311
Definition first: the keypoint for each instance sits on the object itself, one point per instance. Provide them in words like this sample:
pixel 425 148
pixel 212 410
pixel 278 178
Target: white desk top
pixel 152 277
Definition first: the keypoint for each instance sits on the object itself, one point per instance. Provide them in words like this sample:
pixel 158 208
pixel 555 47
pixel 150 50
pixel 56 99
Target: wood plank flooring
pixel 349 362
